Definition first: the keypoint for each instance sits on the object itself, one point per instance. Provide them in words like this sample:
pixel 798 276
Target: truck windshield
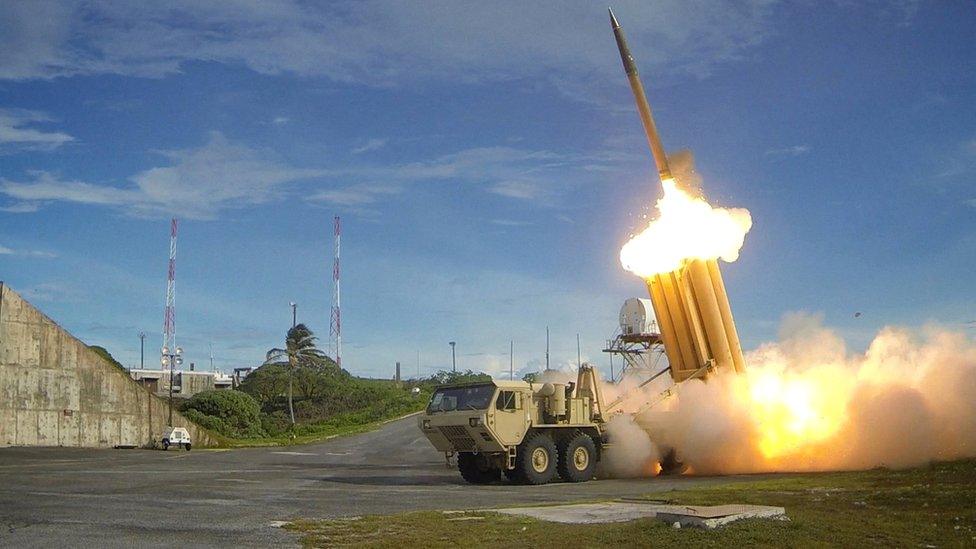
pixel 449 399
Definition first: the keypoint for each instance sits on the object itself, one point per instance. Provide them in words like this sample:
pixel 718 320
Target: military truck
pixel 530 432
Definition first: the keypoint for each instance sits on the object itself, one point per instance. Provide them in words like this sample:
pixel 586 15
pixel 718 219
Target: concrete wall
pixel 54 391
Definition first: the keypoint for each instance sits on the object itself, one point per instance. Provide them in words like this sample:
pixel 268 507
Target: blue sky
pixel 487 162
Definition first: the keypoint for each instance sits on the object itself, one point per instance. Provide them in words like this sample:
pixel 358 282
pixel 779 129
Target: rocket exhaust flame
pixel 686 228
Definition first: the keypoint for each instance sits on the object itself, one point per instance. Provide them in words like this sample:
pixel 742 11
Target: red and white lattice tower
pixel 335 328
pixel 169 317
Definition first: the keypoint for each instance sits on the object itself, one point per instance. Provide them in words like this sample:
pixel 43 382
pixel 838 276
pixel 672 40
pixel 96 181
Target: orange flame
pixel 686 227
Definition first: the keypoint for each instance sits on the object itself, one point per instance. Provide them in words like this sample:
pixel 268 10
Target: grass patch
pixel 341 425
pixel 932 506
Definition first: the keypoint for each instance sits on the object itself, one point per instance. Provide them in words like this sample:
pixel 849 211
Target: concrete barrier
pixel 55 391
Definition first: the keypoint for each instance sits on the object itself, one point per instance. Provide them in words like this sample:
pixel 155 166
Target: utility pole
pixel 547 348
pixel 511 360
pixel 579 361
pixel 294 314
pixel 142 350
pixel 211 358
pixel 418 364
pixel 453 356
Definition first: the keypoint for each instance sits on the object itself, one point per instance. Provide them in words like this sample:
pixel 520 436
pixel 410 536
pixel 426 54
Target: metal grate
pixel 459 438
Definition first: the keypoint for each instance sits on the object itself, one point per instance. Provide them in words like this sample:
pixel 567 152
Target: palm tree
pixel 300 350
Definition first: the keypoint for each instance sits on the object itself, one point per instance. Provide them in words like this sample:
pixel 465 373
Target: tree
pixel 300 350
pixel 267 383
pixel 444 377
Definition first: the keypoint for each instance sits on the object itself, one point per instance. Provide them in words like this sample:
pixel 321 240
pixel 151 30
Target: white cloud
pixel 355 195
pixel 510 223
pixel 47 186
pixel 525 190
pixel 201 182
pixel 198 183
pixel 280 120
pixel 506 171
pixel 18 131
pixel 958 161
pixel 372 42
pixel 793 150
pixel 21 207
pixel 30 253
pixel 370 145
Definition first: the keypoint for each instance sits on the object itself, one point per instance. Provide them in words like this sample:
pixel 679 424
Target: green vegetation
pixel 306 397
pixel 932 506
pixel 230 413
pixel 103 352
pixel 299 352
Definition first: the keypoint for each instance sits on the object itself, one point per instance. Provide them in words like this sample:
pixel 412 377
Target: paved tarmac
pixel 56 497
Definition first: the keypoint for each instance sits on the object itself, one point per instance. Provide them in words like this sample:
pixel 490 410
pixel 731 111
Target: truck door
pixel 510 421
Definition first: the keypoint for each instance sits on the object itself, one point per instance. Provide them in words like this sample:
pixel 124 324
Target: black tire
pixel 475 469
pixel 187 446
pixel 511 474
pixel 577 458
pixel 535 462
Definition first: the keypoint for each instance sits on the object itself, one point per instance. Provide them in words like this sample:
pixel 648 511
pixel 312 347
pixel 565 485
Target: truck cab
pixel 529 431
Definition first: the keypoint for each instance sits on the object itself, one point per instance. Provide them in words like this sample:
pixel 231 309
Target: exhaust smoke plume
pixel 804 404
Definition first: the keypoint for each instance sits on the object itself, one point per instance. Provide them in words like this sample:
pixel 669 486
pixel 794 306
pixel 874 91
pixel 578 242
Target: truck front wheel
pixel 475 469
pixel 535 462
pixel 577 458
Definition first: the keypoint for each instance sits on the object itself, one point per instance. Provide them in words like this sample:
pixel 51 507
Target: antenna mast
pixel 169 316
pixel 335 328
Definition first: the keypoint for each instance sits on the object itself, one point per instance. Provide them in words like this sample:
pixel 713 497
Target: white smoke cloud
pixel 805 404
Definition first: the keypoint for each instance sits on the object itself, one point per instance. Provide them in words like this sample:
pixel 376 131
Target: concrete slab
pixel 710 517
pixel 696 516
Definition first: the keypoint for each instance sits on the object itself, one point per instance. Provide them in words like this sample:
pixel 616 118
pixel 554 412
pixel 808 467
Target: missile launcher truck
pixel 530 432
pixel 533 431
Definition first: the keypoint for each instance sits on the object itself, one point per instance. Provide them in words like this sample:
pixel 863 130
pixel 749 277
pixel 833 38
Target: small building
pixel 186 383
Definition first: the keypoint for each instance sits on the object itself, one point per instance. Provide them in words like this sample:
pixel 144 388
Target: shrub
pixel 275 423
pixel 233 413
pixel 211 423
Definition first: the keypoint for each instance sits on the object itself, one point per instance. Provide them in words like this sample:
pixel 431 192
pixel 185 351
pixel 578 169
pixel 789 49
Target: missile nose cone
pixel 613 20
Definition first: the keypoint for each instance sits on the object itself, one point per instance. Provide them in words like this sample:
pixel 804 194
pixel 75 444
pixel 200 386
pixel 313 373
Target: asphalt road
pixel 123 498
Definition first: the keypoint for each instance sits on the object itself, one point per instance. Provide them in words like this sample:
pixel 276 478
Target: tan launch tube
pixel 664 322
pixel 710 313
pixel 690 355
pixel 694 317
pixel 723 304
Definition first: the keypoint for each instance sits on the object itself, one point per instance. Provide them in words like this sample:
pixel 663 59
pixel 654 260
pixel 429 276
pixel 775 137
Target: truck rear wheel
pixel 475 469
pixel 577 458
pixel 535 462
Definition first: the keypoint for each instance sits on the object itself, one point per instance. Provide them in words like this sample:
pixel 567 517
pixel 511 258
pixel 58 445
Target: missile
pixel 653 140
